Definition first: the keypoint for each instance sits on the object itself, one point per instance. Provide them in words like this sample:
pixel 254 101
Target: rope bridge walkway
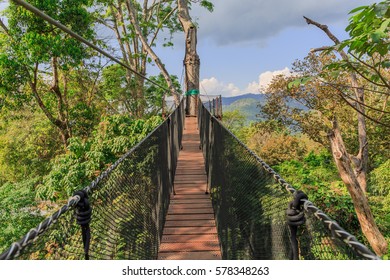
pixel 151 204
pixel 190 232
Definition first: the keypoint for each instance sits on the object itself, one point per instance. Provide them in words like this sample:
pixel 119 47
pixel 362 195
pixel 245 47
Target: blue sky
pixel 243 40
pixel 244 43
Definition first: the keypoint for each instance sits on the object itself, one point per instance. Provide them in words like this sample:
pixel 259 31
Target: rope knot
pixel 294 212
pixel 295 217
pixel 83 217
pixel 83 209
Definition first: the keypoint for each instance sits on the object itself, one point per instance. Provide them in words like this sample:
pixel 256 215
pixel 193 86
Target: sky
pixel 244 43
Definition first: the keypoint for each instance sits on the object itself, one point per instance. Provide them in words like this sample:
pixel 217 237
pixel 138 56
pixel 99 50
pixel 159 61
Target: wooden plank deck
pixel 190 232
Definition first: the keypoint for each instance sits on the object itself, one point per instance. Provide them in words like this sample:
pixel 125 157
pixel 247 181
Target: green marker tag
pixel 192 92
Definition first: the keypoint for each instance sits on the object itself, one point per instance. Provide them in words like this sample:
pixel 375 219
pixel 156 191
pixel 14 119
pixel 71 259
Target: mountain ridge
pixel 231 99
pixel 246 104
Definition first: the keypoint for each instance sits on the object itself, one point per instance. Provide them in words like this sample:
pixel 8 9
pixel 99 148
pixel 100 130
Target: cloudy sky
pixel 243 43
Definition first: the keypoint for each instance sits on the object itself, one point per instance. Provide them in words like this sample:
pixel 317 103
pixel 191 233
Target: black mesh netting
pixel 129 204
pixel 250 205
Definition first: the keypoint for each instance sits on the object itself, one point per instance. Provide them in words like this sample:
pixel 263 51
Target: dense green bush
pixel 19 211
pixel 380 179
pixel 85 159
pixel 23 205
pixel 317 176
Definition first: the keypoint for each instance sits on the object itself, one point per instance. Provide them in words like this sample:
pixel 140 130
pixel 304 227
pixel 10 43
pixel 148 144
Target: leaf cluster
pixel 85 159
pixel 369 28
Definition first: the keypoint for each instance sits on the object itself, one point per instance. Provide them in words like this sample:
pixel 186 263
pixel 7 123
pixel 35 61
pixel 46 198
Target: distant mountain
pixel 229 100
pixel 246 104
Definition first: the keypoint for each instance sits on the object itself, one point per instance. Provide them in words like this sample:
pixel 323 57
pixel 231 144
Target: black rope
pixel 295 217
pixel 83 216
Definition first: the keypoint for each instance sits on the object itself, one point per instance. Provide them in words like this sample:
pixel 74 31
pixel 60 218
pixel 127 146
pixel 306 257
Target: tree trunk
pixel 345 167
pixel 191 59
pixel 62 125
pixel 360 161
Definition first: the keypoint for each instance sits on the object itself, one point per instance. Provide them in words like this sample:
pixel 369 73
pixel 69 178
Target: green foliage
pixel 369 28
pixel 380 180
pixel 233 120
pixel 28 143
pixel 38 41
pixel 85 159
pixel 154 95
pixel 381 207
pixel 115 88
pixel 274 144
pixel 18 211
pixel 317 176
pixel 208 5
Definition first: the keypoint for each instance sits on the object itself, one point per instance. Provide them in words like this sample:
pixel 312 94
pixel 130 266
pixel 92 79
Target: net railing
pixel 250 202
pixel 129 203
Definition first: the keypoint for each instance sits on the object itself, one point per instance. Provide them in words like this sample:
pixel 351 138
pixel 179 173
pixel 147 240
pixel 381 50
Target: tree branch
pixel 149 50
pixel 385 84
pixel 323 28
pixel 4 27
pixel 320 49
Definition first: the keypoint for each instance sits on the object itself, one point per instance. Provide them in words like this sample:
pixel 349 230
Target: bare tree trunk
pixel 150 51
pixel 353 169
pixel 191 59
pixel 360 161
pixel 363 211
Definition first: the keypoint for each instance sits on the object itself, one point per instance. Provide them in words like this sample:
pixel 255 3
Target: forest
pixel 67 113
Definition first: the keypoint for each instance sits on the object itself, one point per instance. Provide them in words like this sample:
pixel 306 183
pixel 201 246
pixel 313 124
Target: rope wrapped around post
pixel 295 217
pixel 83 213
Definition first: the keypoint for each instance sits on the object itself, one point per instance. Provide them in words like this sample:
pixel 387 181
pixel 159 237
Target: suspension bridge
pixel 189 190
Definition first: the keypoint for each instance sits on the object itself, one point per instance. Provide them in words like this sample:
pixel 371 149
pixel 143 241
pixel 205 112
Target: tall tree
pixel 137 25
pixel 367 57
pixel 330 121
pixel 191 58
pixel 37 57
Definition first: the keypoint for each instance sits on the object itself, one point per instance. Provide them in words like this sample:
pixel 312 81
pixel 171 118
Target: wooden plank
pixel 191 196
pixel 205 210
pixel 210 255
pixel 189 191
pixel 190 217
pixel 189 184
pixel 190 201
pixel 188 171
pixel 189 237
pixel 191 206
pixel 180 177
pixel 189 246
pixel 197 223
pixel 190 230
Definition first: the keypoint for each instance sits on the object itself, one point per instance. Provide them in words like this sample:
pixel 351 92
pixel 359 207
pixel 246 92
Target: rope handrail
pixel 329 223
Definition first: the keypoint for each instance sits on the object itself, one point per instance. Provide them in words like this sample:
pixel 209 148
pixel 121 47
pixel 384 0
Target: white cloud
pixel 265 79
pixel 213 86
